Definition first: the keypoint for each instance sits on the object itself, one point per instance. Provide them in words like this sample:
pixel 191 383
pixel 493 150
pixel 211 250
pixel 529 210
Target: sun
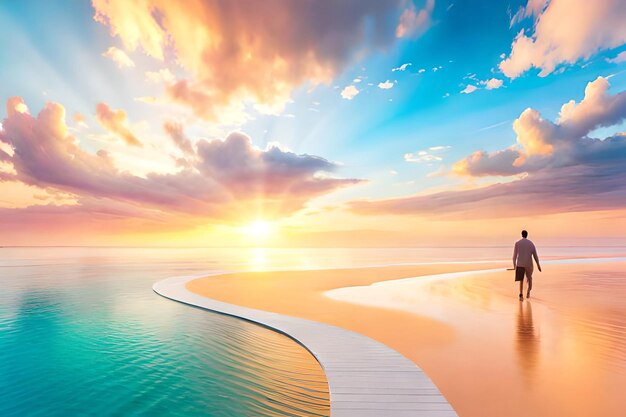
pixel 258 229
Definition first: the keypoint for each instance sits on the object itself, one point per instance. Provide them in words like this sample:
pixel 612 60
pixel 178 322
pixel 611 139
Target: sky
pixel 307 123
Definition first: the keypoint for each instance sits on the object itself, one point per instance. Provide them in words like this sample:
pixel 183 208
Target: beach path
pixel 365 377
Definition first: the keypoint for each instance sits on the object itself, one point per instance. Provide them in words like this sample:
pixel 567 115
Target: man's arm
pixel 515 255
pixel 536 257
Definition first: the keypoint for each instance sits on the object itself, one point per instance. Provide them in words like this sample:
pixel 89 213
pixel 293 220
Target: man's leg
pixel 529 277
pixel 521 289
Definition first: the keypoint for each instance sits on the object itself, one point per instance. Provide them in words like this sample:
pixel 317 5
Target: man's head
pixel 524 233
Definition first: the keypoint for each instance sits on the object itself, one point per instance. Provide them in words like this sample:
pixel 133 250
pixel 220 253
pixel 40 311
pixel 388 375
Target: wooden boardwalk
pixel 365 378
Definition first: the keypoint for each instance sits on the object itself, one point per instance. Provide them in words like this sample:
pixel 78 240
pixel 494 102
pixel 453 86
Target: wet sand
pixel 562 353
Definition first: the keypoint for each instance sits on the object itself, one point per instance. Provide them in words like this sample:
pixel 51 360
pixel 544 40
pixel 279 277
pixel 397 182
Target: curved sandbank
pixel 488 353
pixel 365 377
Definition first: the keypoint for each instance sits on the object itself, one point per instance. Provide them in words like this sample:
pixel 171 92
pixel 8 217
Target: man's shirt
pixel 524 252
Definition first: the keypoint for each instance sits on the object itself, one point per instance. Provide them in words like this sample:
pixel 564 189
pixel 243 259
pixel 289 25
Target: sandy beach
pixel 561 353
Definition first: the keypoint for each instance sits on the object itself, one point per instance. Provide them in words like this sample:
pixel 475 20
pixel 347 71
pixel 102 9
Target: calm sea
pixel 82 333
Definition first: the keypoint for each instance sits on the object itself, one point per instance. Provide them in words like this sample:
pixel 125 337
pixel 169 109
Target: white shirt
pixel 524 252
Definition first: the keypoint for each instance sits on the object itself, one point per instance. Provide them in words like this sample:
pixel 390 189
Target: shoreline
pixel 425 338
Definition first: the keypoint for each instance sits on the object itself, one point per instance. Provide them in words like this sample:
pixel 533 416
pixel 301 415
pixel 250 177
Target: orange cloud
pixel 115 121
pixel 239 50
pixel 80 119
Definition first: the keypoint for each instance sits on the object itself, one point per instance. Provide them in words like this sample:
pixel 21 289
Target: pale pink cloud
pixel 116 122
pixel 492 83
pixel 224 179
pixel 619 58
pixel 175 131
pixel 532 8
pixel 414 22
pixel 565 32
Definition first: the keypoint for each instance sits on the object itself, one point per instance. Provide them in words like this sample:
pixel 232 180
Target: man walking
pixel 523 255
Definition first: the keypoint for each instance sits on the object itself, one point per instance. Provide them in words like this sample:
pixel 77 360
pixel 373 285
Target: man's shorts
pixel 529 271
pixel 520 271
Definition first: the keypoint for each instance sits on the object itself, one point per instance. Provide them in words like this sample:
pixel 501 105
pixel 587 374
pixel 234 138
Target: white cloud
pixel 432 154
pixel 357 80
pixel 565 32
pixel 421 70
pixel 492 84
pixel 161 76
pixel 349 92
pixel 469 89
pixel 119 57
pixel 386 85
pixel 402 67
pixel 621 57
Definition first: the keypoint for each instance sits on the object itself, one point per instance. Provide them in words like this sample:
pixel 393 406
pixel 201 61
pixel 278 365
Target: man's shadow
pixel 527 341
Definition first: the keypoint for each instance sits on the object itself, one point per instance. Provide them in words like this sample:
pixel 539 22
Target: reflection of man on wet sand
pixel 527 339
pixel 523 255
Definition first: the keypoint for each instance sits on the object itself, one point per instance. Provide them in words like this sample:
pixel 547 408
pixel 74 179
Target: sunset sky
pixel 312 123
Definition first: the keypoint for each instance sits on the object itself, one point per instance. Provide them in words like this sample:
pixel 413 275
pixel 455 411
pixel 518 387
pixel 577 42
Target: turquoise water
pixel 82 333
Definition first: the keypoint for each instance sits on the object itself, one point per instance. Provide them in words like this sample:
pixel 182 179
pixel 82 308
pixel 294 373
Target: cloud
pixel 621 57
pixel 430 155
pixel 414 22
pixel 533 8
pixel 256 52
pixel 574 189
pixel 115 121
pixel 349 92
pixel 225 179
pixel 469 89
pixel 119 57
pixel 558 166
pixel 482 163
pixel 175 131
pixel 542 143
pixel 80 120
pixel 492 84
pixel 565 32
pixel 386 85
pixel 162 76
pixel 402 67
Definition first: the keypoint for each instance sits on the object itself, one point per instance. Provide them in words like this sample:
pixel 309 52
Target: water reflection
pixel 527 341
